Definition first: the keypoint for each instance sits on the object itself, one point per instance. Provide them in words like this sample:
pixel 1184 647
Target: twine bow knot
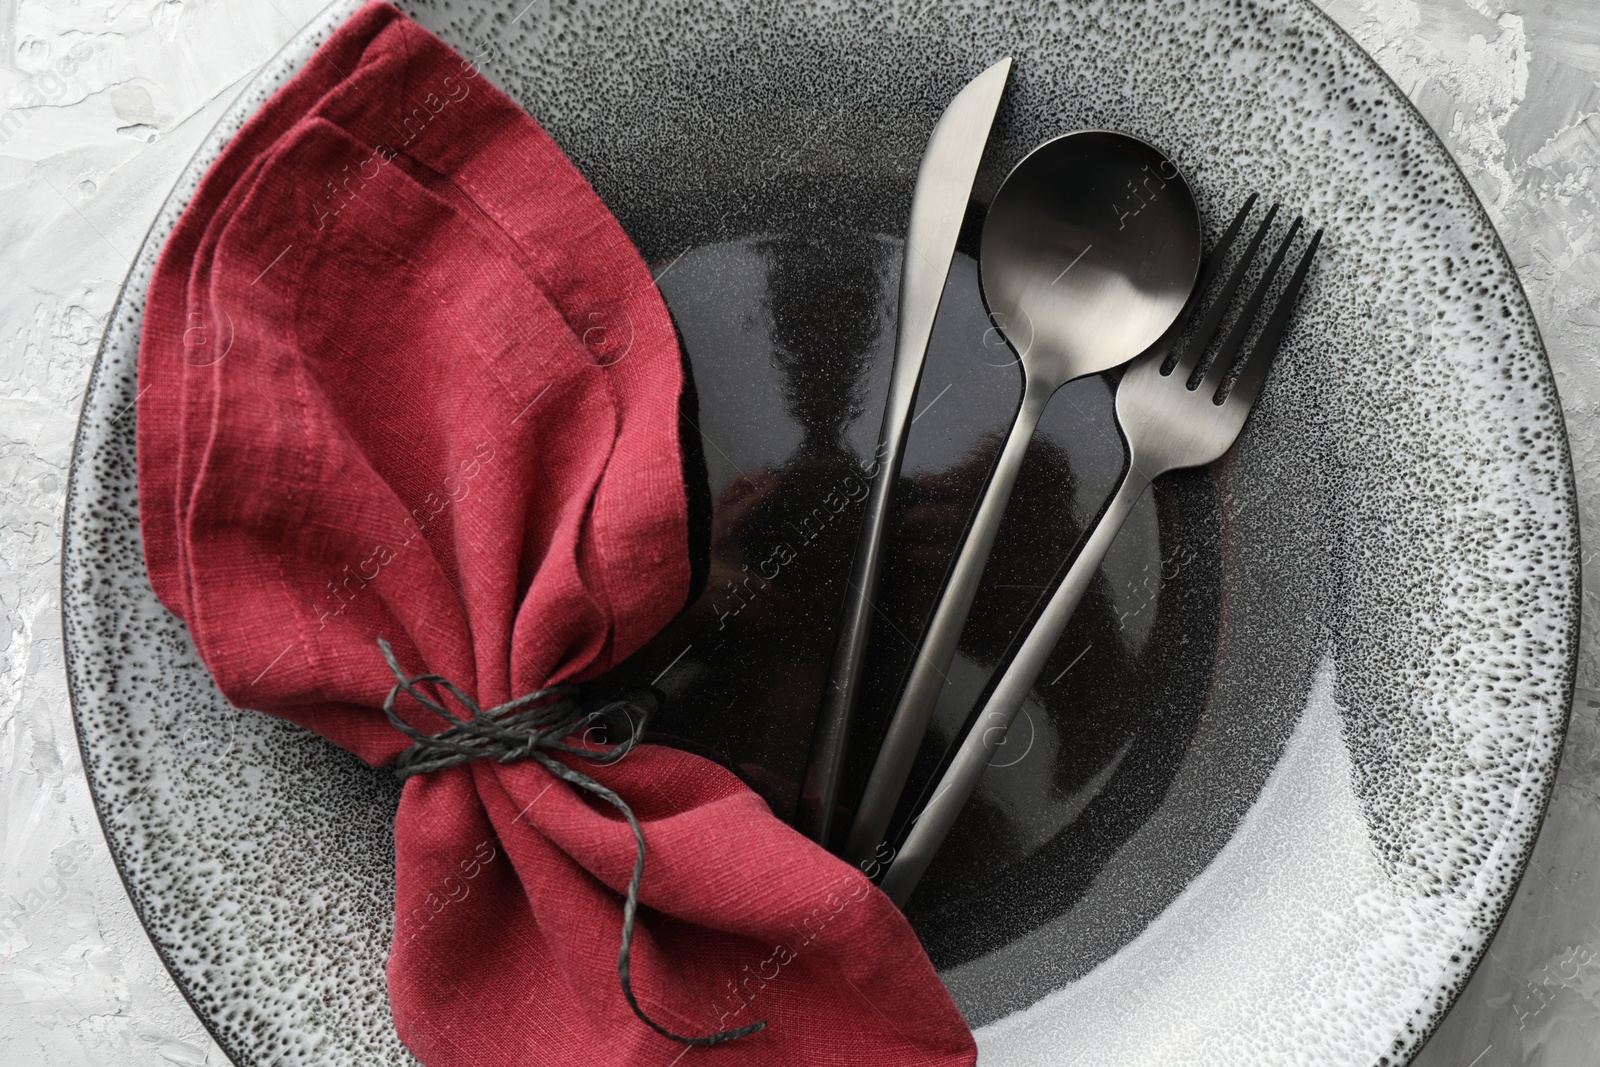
pixel 532 727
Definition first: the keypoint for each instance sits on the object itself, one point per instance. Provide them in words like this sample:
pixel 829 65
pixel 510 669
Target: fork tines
pixel 1246 383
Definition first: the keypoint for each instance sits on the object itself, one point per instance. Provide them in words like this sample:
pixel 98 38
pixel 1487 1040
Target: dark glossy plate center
pixel 790 340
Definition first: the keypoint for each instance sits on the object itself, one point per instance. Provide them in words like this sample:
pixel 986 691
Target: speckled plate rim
pixel 293 56
pixel 1500 906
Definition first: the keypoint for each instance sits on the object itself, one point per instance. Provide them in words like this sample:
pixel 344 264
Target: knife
pixel 938 205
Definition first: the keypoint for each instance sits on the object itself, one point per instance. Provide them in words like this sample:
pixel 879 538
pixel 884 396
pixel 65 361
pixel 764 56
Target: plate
pixel 1279 782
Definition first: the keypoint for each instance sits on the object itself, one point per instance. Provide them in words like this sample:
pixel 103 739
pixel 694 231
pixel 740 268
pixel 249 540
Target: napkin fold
pixel 402 375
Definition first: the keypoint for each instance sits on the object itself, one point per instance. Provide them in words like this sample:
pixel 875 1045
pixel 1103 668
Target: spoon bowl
pixel 1089 251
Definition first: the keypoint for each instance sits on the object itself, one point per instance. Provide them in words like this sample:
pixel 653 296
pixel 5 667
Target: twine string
pixel 532 727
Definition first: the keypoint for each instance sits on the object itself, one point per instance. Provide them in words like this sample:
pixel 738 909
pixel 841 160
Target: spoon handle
pixel 928 672
pixel 989 731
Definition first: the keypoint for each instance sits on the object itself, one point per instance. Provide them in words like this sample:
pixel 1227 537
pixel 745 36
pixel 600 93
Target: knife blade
pixel 938 205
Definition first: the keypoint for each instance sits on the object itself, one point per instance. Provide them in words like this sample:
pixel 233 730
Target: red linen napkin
pixel 403 376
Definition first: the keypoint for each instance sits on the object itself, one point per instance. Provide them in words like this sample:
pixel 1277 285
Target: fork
pixel 1169 424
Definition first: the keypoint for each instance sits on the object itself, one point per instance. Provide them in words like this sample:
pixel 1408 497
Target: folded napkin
pixel 403 377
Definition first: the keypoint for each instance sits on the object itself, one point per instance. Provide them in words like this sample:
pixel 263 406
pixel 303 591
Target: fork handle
pixel 909 722
pixel 989 731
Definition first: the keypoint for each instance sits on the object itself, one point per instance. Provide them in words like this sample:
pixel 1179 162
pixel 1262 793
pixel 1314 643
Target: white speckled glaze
pixel 1419 550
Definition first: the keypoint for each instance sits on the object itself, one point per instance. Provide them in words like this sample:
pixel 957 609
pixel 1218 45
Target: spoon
pixel 1089 252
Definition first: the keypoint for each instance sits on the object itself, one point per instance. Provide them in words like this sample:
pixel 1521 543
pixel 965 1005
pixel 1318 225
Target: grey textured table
pixel 127 90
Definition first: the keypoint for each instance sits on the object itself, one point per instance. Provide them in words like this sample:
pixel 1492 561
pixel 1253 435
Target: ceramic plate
pixel 1271 798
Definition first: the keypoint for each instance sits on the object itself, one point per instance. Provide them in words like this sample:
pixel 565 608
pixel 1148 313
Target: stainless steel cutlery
pixel 1089 252
pixel 1089 258
pixel 1169 421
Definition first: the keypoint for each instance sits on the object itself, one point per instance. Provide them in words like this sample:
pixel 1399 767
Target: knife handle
pixel 825 766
